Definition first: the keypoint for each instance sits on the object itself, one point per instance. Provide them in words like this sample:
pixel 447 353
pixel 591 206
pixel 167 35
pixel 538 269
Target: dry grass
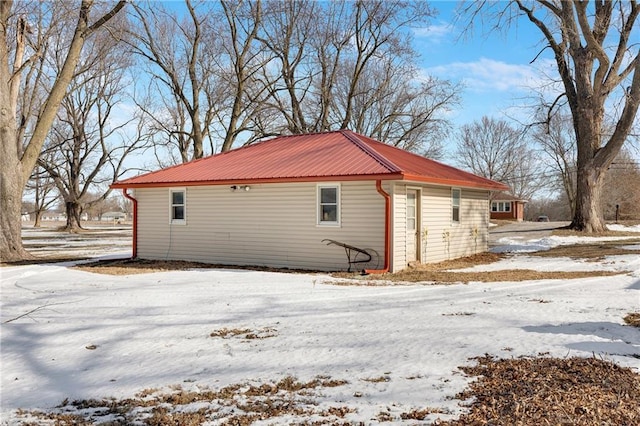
pixel 440 273
pixel 245 333
pixel 448 277
pixel 524 391
pixel 138 266
pixel 550 391
pixel 592 251
pixel 237 404
pixel 566 232
pixel 633 319
pixel 444 272
pixel 141 266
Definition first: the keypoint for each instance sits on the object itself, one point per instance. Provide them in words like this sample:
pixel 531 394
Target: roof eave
pixel 492 186
pixel 132 185
pixel 489 186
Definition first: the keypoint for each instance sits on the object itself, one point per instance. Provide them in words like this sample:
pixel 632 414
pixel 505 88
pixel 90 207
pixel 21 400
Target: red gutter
pixel 387 231
pixel 135 222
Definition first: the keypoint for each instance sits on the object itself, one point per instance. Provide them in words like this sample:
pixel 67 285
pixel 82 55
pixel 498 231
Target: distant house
pixel 53 216
pixel 113 217
pixel 291 201
pixel 506 206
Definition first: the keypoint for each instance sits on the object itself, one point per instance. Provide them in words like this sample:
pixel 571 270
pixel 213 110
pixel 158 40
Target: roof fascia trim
pixel 390 176
pixel 490 186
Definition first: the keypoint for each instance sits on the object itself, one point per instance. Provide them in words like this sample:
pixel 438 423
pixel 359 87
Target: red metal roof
pixel 338 155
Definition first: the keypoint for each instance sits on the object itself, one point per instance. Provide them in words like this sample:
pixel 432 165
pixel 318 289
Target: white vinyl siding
pixel 271 225
pixel 440 238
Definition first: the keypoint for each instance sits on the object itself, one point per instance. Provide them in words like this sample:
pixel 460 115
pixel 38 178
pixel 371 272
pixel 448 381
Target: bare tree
pixel 288 31
pixel 558 143
pixel 494 149
pixel 100 205
pixel 203 69
pixel 44 193
pixel 247 92
pixel 621 196
pixel 87 148
pixel 598 62
pixel 345 65
pixel 18 157
pixel 402 112
pixel 172 48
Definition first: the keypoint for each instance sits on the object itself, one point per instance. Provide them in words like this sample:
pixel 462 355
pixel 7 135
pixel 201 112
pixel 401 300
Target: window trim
pixel 182 221
pixel 501 206
pixel 319 188
pixel 454 206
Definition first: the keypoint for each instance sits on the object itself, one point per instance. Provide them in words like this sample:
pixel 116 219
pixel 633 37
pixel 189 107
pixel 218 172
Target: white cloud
pixel 489 75
pixel 435 33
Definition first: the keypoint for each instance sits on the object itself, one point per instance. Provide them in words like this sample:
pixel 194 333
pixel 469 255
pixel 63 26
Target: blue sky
pixel 494 68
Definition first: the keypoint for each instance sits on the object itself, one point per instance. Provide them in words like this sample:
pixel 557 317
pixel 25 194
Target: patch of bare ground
pixel 550 391
pixel 633 319
pixel 444 273
pixel 138 266
pixel 245 333
pixel 440 273
pixel 142 266
pixel 566 232
pixel 592 251
pixel 523 391
pixel 237 404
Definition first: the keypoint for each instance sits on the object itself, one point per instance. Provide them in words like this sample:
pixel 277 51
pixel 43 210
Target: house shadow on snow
pixel 622 340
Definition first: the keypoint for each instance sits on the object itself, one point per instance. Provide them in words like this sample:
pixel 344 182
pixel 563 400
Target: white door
pixel 412 225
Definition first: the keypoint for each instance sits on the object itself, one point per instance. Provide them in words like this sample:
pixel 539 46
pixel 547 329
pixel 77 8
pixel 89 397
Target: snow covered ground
pixel 93 336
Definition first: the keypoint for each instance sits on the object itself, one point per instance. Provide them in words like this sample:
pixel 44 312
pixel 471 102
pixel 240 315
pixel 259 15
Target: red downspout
pixel 387 231
pixel 135 222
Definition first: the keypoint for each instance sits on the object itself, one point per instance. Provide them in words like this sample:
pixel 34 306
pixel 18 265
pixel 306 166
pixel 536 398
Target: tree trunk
pixel 38 219
pixel 589 215
pixel 11 171
pixel 73 224
pixel 11 185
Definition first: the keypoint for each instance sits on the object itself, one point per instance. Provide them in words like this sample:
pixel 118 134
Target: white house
pixel 290 202
pixel 113 217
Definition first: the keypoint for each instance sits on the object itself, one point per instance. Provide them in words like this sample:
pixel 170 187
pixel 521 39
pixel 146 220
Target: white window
pixel 501 206
pixel 329 204
pixel 178 206
pixel 455 205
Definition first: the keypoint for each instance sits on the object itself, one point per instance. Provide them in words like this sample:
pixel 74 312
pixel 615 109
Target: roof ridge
pixel 381 159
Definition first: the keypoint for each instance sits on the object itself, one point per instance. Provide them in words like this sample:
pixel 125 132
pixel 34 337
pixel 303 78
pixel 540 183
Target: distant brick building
pixel 505 206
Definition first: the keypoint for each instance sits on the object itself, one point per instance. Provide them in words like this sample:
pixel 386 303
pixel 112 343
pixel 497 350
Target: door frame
pixel 418 230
